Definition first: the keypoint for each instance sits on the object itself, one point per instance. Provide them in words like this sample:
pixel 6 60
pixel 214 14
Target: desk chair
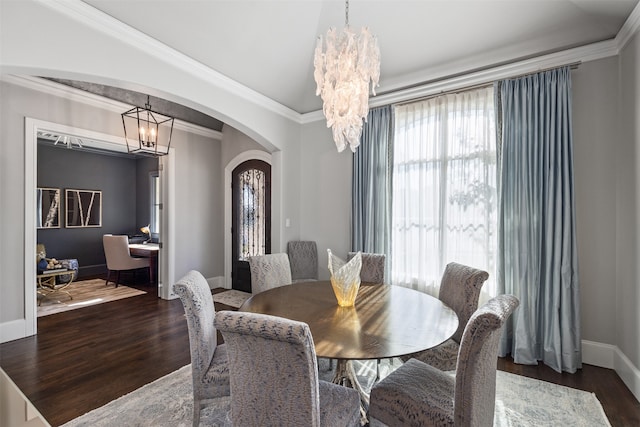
pixel 116 251
pixel 417 394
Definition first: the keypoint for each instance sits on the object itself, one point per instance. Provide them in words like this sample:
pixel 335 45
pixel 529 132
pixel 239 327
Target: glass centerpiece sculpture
pixel 345 278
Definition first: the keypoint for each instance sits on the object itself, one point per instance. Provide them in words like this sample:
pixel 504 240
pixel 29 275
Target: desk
pixel 147 250
pixel 386 321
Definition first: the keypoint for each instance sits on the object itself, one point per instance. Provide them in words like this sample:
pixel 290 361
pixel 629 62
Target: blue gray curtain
pixel 371 185
pixel 536 221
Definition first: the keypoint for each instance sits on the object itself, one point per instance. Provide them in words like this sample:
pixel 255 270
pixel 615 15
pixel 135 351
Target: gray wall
pixel 325 200
pixel 627 314
pixel 124 182
pixel 75 169
pixel 596 135
pixel 199 217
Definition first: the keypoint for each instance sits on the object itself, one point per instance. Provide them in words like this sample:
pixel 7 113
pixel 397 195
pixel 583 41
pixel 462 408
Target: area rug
pixel 232 298
pixel 520 401
pixel 85 293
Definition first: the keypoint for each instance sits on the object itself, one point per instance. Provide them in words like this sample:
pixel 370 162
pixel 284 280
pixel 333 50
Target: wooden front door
pixel 251 218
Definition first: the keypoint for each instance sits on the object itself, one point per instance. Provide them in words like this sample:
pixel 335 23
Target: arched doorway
pixel 251 218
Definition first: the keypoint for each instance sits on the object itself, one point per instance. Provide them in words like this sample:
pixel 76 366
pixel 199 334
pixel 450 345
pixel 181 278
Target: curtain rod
pixel 572 66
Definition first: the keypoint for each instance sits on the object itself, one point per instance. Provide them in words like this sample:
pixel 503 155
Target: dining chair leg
pixel 108 276
pixel 117 278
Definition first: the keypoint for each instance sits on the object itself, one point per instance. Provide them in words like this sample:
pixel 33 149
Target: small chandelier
pixel 153 130
pixel 68 141
pixel 342 72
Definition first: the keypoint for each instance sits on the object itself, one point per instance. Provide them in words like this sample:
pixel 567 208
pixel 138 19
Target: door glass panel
pixel 251 219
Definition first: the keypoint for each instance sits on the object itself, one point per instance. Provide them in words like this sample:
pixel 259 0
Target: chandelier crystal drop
pixel 345 62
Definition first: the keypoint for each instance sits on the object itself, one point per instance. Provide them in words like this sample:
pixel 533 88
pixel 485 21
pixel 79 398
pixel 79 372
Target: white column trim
pixel 30 236
pixel 166 270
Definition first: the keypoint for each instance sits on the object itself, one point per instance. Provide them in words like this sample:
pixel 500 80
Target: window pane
pixel 154 225
pixel 444 188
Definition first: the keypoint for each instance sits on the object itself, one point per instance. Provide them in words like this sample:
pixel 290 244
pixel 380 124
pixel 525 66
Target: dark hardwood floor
pixel 84 358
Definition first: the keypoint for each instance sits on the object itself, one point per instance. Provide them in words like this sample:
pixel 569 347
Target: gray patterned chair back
pixel 303 257
pixel 195 294
pixel 372 270
pixel 460 290
pixel 269 271
pixel 273 370
pixel 475 387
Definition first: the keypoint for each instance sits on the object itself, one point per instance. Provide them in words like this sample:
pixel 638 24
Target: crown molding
pixel 96 19
pixel 57 89
pixel 571 56
pixel 464 79
pixel 629 28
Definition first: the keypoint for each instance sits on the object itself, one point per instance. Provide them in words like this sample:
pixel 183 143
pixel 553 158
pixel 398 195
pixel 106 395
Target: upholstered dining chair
pixel 417 394
pixel 269 271
pixel 274 375
pixel 459 289
pixel 372 270
pixel 303 258
pixel 116 252
pixel 209 368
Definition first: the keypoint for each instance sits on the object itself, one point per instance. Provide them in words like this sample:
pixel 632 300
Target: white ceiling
pixel 268 45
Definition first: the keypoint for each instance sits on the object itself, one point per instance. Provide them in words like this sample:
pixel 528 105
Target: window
pixel 444 199
pixel 155 203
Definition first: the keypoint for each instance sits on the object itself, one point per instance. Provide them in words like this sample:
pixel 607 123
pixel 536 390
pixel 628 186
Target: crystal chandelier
pixel 153 130
pixel 342 72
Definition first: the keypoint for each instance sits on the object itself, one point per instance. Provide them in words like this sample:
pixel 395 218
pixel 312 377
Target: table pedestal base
pixel 346 376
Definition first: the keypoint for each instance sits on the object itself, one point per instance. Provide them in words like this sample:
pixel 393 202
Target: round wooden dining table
pixel 386 321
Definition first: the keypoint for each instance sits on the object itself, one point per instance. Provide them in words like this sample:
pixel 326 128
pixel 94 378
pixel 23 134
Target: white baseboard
pixel 628 372
pixel 610 356
pixel 598 354
pixel 216 282
pixel 12 330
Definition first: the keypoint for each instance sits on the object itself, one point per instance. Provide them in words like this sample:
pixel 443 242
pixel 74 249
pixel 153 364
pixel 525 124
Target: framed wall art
pixel 48 207
pixel 83 208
